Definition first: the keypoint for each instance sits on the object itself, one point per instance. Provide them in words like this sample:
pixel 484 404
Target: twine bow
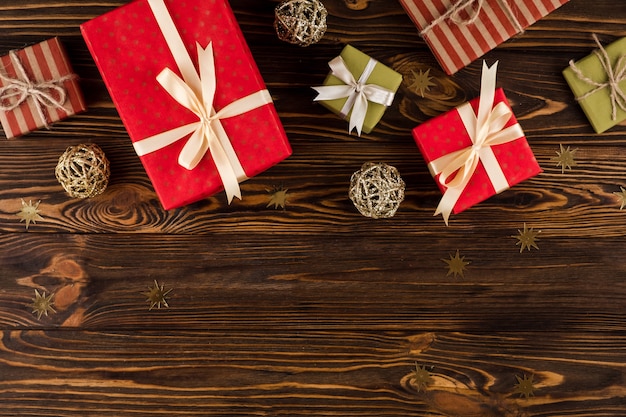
pixel 485 129
pixel 44 94
pixel 615 75
pixel 357 92
pixel 472 8
pixel 196 93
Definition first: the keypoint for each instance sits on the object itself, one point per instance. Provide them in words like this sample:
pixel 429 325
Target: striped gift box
pixel 460 31
pixel 33 82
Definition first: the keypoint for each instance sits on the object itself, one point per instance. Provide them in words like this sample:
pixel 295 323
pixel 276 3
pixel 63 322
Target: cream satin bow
pixel 357 92
pixel 485 129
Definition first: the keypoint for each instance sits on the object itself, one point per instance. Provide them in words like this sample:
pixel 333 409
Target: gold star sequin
pixel 156 296
pixel 527 238
pixel 456 265
pixel 421 82
pixel 565 158
pixel 278 197
pixel 29 212
pixel 421 377
pixel 524 386
pixel 42 304
pixel 622 197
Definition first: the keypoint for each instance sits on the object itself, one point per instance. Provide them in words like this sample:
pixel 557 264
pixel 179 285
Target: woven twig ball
pixel 377 190
pixel 300 22
pixel 83 170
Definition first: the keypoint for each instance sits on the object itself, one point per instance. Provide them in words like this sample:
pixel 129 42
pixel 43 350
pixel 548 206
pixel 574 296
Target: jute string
pixel 45 93
pixel 454 14
pixel 615 75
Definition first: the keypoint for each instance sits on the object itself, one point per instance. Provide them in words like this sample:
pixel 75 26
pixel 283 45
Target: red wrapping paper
pixel 457 45
pixel 130 51
pixel 446 133
pixel 46 61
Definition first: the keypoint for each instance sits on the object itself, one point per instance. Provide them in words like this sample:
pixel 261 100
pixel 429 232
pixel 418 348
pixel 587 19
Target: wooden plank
pixel 374 282
pixel 274 372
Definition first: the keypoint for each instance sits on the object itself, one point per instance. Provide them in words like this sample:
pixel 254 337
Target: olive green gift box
pixel 597 106
pixel 383 76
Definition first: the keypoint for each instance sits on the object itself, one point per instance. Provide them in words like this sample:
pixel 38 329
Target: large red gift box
pixel 44 70
pixel 460 31
pixel 448 133
pixel 136 43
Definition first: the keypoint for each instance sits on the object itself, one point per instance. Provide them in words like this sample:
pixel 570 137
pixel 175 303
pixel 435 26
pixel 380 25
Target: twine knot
pixel 17 90
pixel 472 9
pixel 615 75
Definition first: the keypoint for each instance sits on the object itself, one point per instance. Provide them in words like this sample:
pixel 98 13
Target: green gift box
pixel 589 81
pixel 358 89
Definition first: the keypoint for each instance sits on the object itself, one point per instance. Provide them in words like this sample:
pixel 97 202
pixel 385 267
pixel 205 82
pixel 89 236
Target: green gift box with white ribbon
pixel 358 88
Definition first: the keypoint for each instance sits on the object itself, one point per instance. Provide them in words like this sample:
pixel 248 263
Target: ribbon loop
pixel 358 93
pixel 44 94
pixel 615 75
pixel 196 91
pixel 485 128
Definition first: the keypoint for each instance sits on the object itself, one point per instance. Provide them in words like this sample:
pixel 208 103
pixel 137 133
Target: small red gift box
pixel 460 31
pixel 190 95
pixel 474 154
pixel 37 88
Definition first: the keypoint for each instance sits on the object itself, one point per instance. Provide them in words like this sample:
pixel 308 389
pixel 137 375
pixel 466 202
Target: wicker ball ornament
pixel 83 170
pixel 300 22
pixel 377 190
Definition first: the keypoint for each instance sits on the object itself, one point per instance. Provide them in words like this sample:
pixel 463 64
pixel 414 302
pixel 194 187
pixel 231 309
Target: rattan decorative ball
pixel 300 22
pixel 83 170
pixel 377 190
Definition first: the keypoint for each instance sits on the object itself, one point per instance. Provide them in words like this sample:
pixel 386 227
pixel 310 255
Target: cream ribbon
pixel 454 14
pixel 485 130
pixel 615 75
pixel 196 92
pixel 44 94
pixel 357 92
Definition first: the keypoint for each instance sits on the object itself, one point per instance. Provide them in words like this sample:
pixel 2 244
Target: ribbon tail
pixel 156 142
pixel 224 169
pixel 446 205
pixel 332 92
pixel 357 117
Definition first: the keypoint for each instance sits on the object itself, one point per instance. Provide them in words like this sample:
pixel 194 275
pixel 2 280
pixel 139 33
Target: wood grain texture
pixel 314 309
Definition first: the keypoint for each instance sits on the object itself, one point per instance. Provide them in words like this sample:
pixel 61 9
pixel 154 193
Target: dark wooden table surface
pixel 314 309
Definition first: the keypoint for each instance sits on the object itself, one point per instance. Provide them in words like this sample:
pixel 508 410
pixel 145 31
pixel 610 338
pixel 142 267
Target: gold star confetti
pixel 421 377
pixel 278 197
pixel 524 386
pixel 42 305
pixel 565 158
pixel 527 238
pixel 622 197
pixel 156 296
pixel 421 82
pixel 456 265
pixel 29 213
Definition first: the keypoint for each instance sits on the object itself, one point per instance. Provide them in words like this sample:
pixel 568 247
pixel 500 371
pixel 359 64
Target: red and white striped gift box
pixel 44 63
pixel 456 45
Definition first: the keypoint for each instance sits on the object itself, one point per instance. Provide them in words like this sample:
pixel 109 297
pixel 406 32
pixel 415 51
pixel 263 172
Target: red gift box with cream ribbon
pixel 190 95
pixel 476 150
pixel 460 31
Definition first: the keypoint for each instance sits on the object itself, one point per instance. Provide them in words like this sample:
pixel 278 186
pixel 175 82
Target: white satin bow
pixel 357 92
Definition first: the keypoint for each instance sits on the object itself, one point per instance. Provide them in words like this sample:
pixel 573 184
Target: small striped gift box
pixel 37 88
pixel 460 31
